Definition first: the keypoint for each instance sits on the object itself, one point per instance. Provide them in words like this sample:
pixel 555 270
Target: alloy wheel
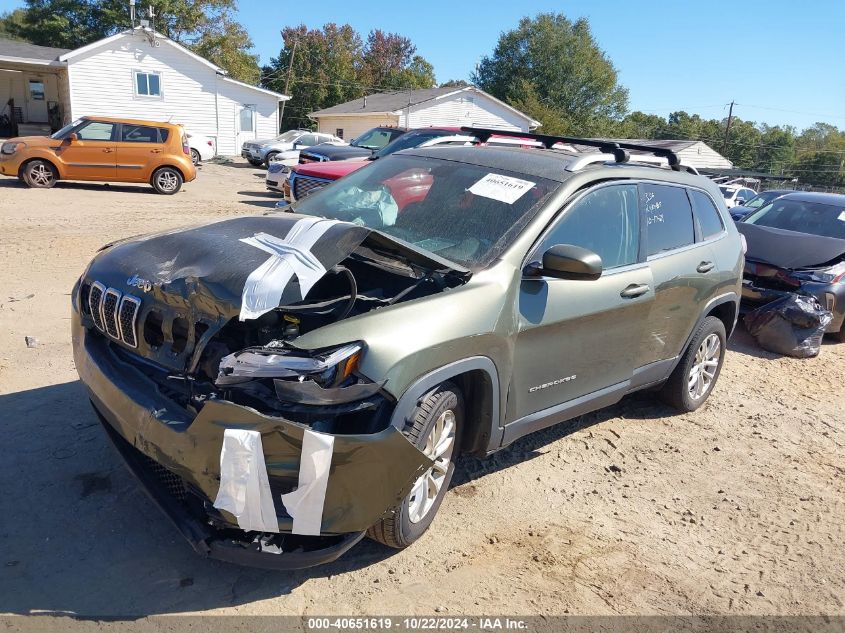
pixel 703 370
pixel 439 447
pixel 41 174
pixel 167 181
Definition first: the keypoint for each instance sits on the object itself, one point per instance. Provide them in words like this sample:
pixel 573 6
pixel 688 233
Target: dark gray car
pixel 283 385
pixel 796 244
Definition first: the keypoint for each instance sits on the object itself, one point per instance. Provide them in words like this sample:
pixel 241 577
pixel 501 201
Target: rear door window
pixel 139 134
pixel 707 217
pixel 667 217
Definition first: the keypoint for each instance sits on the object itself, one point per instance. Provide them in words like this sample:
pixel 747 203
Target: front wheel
pixel 435 430
pixel 255 163
pixel 695 376
pixel 269 158
pixel 39 174
pixel 167 180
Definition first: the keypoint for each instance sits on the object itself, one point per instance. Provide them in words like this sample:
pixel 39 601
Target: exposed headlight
pixel 10 148
pixel 819 276
pixel 327 367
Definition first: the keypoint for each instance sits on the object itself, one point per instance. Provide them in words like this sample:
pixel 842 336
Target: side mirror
pixel 567 261
pixel 740 202
pixel 72 137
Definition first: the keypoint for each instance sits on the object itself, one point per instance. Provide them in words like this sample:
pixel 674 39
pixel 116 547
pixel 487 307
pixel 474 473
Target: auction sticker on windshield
pixel 501 188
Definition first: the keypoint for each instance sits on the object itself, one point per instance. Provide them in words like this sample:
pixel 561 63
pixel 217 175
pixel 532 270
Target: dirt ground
pixel 735 509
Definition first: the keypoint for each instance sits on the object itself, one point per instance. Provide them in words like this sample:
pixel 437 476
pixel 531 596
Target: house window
pixel 339 132
pixel 147 84
pixel 247 122
pixel 36 90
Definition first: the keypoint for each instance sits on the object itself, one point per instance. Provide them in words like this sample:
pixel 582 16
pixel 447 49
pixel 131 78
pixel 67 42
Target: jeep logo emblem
pixel 136 282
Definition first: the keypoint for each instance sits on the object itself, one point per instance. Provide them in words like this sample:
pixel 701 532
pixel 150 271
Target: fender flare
pixel 409 400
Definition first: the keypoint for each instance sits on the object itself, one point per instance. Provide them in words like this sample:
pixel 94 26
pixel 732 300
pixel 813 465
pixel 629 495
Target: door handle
pixel 634 290
pixel 108 150
pixel 155 151
pixel 705 267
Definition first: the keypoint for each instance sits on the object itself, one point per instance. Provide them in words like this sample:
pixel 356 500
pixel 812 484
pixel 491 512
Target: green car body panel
pixel 527 349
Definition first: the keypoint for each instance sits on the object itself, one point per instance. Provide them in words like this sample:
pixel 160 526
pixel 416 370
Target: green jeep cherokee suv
pixel 284 385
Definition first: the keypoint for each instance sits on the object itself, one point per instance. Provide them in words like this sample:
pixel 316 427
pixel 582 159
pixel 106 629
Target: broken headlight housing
pixel 328 367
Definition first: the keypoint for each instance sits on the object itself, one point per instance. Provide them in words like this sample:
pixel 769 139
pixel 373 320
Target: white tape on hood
pixel 305 504
pixel 264 286
pixel 244 485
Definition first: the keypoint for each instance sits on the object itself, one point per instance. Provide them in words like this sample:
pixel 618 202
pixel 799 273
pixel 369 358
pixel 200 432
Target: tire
pixel 39 174
pixel 255 163
pixel 196 159
pixel 269 158
pixel 166 180
pixel 706 346
pixel 410 519
pixel 840 335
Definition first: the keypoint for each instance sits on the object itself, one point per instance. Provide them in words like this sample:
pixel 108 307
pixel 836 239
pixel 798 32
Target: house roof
pixel 139 30
pixel 393 101
pixel 24 51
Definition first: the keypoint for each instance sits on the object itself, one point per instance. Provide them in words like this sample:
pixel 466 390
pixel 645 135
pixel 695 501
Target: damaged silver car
pixel 285 385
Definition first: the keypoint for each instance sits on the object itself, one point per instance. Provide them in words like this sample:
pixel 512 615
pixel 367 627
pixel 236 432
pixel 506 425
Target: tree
pixel 202 23
pixel 555 66
pixel 455 83
pixel 10 23
pixel 332 65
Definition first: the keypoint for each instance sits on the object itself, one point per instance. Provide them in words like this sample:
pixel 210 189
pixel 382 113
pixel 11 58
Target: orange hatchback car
pixel 103 149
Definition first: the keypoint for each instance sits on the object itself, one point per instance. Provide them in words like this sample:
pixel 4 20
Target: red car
pixel 307 178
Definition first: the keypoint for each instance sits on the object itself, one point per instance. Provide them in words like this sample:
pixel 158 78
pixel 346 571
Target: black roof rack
pixel 617 148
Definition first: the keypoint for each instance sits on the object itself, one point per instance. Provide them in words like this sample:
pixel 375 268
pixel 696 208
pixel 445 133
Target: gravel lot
pixel 736 509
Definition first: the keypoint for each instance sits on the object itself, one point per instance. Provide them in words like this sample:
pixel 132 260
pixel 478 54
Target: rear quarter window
pixel 707 217
pixel 164 133
pixel 667 217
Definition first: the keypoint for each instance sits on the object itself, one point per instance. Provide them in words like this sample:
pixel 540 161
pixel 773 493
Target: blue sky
pixel 780 60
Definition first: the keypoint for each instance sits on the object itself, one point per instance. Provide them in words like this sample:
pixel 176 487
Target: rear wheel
pixel 39 174
pixel 195 157
pixel 695 376
pixel 435 430
pixel 269 158
pixel 167 180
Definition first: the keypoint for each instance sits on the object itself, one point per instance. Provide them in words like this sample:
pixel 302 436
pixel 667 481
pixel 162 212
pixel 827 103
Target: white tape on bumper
pixel 244 485
pixel 305 504
pixel 291 255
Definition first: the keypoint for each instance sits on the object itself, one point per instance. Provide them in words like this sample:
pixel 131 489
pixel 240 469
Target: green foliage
pixel 206 26
pixel 334 64
pixel 553 69
pixel 455 83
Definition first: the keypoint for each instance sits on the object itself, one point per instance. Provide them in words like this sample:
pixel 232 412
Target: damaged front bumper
pixel 176 455
pixel 755 295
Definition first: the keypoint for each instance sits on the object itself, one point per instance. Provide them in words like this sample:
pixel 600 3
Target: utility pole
pixel 287 82
pixel 728 128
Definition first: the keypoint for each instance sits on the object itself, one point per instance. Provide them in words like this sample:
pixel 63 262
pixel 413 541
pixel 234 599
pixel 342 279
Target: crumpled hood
pixel 789 249
pixel 206 269
pixel 241 267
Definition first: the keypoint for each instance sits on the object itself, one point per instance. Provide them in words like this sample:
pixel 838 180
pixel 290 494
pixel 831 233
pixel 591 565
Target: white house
pixel 448 107
pixel 696 154
pixel 135 74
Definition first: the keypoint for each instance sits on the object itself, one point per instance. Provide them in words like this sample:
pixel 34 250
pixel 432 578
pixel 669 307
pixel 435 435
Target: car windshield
pixel 65 130
pixel 373 139
pixel 290 135
pixel 409 140
pixel 464 213
pixel 803 217
pixel 761 199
